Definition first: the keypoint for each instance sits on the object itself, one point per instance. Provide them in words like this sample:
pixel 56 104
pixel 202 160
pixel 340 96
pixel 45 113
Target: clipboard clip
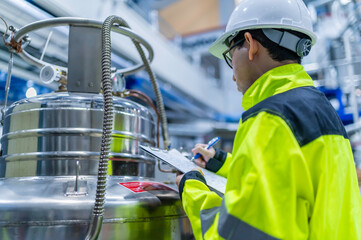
pixel 160 162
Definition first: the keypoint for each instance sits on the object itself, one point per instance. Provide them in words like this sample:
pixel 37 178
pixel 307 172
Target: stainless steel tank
pixel 47 135
pixel 48 168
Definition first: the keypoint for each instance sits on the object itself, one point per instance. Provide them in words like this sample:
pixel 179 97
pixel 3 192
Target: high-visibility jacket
pixel 291 174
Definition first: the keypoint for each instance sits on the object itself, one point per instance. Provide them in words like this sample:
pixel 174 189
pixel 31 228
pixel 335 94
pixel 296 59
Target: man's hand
pixel 180 175
pixel 206 154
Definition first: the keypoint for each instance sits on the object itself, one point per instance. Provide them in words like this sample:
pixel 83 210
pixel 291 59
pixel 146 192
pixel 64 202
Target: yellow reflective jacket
pixel 291 173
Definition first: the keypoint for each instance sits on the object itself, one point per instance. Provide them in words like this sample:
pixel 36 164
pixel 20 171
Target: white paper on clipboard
pixel 183 164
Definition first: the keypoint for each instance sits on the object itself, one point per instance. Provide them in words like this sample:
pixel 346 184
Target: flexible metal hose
pixel 155 86
pixel 96 224
pixel 158 96
pixel 94 229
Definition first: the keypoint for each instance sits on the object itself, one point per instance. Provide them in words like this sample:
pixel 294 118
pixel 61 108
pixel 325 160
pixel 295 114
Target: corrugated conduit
pixel 97 217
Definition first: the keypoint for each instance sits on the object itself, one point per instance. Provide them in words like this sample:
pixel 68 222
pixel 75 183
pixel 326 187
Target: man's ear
pixel 253 46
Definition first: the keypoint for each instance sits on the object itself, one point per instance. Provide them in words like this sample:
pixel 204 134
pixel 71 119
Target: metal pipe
pixel 46 46
pixel 79 22
pixel 7 86
pixel 348 52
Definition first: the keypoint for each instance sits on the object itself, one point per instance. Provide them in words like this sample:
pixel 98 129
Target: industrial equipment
pixel 55 182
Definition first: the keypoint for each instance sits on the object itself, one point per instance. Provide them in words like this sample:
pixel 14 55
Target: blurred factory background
pixel 200 97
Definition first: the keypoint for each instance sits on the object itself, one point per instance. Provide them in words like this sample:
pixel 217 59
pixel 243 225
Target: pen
pixel 210 144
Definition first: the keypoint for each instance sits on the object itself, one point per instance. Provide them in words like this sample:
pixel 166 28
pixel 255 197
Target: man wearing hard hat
pixel 291 173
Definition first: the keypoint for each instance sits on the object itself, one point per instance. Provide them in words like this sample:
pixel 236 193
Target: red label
pixel 146 186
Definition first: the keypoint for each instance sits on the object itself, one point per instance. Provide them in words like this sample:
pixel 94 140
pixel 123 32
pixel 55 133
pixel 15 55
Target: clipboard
pixel 183 164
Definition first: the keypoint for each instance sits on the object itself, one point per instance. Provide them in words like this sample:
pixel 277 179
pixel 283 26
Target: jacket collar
pixel 275 81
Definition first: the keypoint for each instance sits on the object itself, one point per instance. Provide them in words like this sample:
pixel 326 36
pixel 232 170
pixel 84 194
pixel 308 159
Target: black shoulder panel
pixel 306 110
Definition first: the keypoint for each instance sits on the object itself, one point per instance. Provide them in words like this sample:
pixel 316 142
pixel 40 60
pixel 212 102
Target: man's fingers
pixel 198 146
pixel 200 162
pixel 204 152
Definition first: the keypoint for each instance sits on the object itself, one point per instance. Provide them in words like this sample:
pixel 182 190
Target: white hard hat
pixel 263 14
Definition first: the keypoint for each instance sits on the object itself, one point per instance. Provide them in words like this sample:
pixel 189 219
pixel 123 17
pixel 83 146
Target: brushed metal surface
pixel 44 135
pixel 39 208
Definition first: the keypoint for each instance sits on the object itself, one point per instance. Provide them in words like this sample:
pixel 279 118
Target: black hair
pixel 276 52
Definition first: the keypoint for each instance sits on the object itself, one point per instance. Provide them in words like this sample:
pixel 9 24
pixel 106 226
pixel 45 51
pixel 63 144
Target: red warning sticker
pixel 146 186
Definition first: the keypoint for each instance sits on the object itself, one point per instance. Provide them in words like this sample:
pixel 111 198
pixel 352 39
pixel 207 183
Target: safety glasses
pixel 227 54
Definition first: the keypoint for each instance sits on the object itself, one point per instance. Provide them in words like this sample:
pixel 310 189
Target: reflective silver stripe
pixel 231 228
pixel 207 218
pixel 284 39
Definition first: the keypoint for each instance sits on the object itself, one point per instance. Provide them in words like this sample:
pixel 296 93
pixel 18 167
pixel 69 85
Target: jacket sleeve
pixel 196 199
pixel 219 163
pixel 269 190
